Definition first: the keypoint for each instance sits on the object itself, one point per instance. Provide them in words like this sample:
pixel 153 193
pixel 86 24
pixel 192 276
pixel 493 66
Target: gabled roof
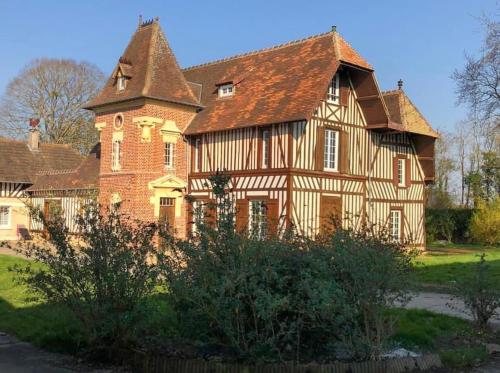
pixel 85 176
pixel 279 84
pixel 20 164
pixel 152 68
pixel 402 111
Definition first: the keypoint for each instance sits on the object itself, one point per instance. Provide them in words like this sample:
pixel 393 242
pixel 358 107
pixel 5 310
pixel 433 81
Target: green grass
pixel 441 265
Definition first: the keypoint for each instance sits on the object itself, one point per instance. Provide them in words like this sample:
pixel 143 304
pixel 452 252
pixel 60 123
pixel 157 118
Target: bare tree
pixel 53 91
pixel 461 144
pixel 478 82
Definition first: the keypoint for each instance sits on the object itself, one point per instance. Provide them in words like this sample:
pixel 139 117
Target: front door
pixel 167 211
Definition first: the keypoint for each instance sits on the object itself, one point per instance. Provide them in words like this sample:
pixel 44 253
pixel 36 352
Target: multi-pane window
pixel 4 217
pixel 198 214
pixel 395 225
pixel 197 155
pixel 265 148
pixel 332 95
pixel 331 150
pixel 169 155
pixel 226 90
pixel 116 155
pixel 120 83
pixel 401 171
pixel 258 219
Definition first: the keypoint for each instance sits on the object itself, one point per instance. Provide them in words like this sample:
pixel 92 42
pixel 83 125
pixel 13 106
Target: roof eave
pixel 95 106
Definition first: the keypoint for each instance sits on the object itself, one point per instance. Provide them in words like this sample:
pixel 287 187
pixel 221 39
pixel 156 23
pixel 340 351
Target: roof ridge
pixel 262 50
pixel 55 172
pixel 391 91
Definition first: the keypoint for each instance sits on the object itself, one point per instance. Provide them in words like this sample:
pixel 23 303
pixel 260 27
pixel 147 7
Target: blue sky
pixel 420 41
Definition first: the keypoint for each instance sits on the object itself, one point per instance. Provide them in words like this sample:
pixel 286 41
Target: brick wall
pixel 141 162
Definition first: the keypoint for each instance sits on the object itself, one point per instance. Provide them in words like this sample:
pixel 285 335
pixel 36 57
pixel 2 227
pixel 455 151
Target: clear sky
pixel 420 41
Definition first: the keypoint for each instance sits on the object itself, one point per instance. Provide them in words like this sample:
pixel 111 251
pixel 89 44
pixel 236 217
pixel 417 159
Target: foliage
pixel 103 278
pixel 53 91
pixel 479 293
pixel 285 298
pixel 485 223
pixel 463 357
pixel 450 224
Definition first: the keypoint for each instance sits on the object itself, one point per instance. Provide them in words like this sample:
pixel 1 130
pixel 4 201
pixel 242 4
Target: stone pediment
pixel 168 181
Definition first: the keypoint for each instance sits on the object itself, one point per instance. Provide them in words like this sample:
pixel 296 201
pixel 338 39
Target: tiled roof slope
pixel 279 84
pixel 19 164
pixel 152 68
pixel 402 110
pixel 85 176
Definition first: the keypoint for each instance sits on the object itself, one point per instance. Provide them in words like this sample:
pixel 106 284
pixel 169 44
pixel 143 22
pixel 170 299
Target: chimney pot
pixel 334 28
pixel 400 84
pixel 34 134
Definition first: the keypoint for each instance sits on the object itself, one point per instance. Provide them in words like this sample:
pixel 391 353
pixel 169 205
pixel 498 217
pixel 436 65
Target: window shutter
pixel 344 152
pixel 395 171
pixel 320 149
pixel 407 172
pixel 344 88
pixel 272 217
pixel 211 211
pixel 241 215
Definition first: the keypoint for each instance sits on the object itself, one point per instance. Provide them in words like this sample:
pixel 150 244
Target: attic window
pixel 226 90
pixel 332 95
pixel 120 83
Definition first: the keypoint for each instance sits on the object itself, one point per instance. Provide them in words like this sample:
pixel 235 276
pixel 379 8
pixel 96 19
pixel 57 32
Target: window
pixel 332 95
pixel 118 121
pixel 197 155
pixel 266 142
pixel 199 208
pixel 226 90
pixel 120 83
pixel 169 155
pixel 167 201
pixel 116 155
pixel 331 155
pixel 401 171
pixel 258 219
pixel 4 217
pixel 395 225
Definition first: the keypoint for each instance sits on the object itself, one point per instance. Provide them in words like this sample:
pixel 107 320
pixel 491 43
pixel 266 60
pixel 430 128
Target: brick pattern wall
pixel 141 162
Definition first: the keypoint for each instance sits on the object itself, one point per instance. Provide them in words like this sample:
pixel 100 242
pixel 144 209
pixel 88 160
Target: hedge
pixel 451 224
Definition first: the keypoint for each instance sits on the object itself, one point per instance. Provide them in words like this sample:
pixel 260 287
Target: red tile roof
pixel 278 84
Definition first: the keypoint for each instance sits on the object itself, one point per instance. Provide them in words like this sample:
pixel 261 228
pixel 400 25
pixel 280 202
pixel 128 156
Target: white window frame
pixel 401 169
pixel 196 160
pixel 395 225
pixel 257 229
pixel 116 149
pixel 8 223
pixel 169 155
pixel 199 214
pixel 226 90
pixel 333 93
pixel 331 150
pixel 266 138
pixel 120 83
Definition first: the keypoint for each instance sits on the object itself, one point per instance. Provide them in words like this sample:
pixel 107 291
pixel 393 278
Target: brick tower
pixel 141 113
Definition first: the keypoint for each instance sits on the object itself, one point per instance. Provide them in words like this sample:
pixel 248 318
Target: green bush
pixel 104 278
pixel 450 224
pixel 485 224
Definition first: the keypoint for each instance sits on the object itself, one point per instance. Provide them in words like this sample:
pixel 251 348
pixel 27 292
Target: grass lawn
pixel 441 265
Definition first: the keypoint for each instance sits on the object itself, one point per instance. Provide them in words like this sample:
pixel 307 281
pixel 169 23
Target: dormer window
pixel 226 90
pixel 120 83
pixel 332 95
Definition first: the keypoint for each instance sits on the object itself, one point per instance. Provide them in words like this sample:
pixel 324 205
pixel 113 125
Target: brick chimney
pixel 34 135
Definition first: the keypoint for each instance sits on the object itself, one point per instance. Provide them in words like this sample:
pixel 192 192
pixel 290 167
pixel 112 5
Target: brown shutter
pixel 407 172
pixel 344 88
pixel 241 215
pixel 330 208
pixel 272 217
pixel 211 211
pixel 395 171
pixel 344 152
pixel 320 149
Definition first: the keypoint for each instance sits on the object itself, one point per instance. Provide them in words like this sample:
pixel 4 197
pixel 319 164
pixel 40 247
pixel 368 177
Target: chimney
pixel 400 84
pixel 34 135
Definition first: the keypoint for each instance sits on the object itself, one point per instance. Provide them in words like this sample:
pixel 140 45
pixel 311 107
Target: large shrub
pixel 285 298
pixel 103 277
pixel 450 224
pixel 485 224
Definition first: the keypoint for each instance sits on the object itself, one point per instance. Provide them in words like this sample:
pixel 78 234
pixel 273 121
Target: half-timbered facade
pixel 302 128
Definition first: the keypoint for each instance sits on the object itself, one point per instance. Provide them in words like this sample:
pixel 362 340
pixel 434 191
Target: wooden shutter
pixel 241 215
pixel 272 217
pixel 210 207
pixel 344 152
pixel 344 88
pixel 320 149
pixel 407 172
pixel 330 207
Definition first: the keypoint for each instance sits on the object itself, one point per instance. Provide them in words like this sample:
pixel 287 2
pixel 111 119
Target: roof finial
pixel 140 21
pixel 400 84
pixel 334 28
pixel 157 19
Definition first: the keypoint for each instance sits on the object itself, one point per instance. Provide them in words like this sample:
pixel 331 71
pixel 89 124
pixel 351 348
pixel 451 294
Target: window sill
pixel 5 228
pixel 332 170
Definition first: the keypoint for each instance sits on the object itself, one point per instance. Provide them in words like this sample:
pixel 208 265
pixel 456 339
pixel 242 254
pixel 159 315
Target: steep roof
pixel 402 111
pixel 20 164
pixel 152 69
pixel 278 84
pixel 85 176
